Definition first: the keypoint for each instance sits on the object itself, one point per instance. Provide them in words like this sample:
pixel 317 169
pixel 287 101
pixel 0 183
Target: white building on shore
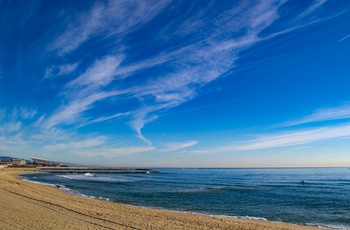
pixel 16 161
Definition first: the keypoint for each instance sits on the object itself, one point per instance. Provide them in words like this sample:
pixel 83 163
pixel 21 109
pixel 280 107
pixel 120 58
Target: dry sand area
pixel 25 205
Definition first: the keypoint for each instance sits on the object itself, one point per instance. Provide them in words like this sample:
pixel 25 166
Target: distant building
pixel 5 161
pixel 18 161
pixel 39 161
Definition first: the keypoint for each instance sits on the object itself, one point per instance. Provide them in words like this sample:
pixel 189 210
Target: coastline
pixel 27 205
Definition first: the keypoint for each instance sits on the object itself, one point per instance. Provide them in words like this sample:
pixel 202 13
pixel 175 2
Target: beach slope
pixel 25 205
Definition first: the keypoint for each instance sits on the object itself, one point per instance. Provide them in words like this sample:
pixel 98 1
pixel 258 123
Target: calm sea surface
pixel 266 194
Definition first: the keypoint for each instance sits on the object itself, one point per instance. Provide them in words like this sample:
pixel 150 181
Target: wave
pixel 95 178
pixel 215 189
pixel 59 186
pixel 41 183
pixel 231 188
pixel 89 174
pixel 330 227
pixel 250 218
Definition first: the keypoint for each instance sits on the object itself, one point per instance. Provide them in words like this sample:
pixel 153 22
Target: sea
pixel 265 194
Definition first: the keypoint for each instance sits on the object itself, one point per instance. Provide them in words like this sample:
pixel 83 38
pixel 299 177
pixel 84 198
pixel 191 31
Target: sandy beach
pixel 25 205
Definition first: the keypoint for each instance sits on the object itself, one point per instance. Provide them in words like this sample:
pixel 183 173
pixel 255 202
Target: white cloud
pixel 342 39
pixel 11 127
pixel 297 137
pixel 52 135
pixel 83 144
pixel 66 69
pixel 107 152
pixel 302 136
pixel 11 124
pixel 13 144
pixel 178 145
pixel 202 62
pixel 105 118
pixel 105 19
pixel 6 147
pixel 28 113
pixel 313 7
pixel 100 74
pixel 72 113
pixel 325 114
pixel 140 118
pixel 123 151
pixel 210 55
pixel 84 91
pixel 56 71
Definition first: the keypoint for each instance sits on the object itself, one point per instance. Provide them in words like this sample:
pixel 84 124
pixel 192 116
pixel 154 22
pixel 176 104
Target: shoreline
pixel 30 204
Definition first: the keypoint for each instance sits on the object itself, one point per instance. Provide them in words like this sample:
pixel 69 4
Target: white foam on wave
pixel 61 187
pixel 94 178
pixel 89 174
pixel 91 197
pixel 103 198
pixel 250 218
pixel 41 183
pixel 330 227
pixel 67 190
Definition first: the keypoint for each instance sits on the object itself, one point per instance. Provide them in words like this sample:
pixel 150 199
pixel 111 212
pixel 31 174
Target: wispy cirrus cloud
pixel 72 113
pixel 134 61
pixel 291 138
pixel 122 151
pixel 11 126
pixel 203 61
pixel 210 54
pixel 313 7
pixel 83 144
pixel 100 74
pixel 97 146
pixel 300 136
pixel 91 148
pixel 324 114
pixel 178 145
pixel 12 123
pixel 343 38
pixel 28 113
pixel 82 92
pixel 105 19
pixel 8 144
pixel 105 118
pixel 52 136
pixel 61 70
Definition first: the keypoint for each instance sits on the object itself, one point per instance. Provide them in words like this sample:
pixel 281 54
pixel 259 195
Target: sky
pixel 161 83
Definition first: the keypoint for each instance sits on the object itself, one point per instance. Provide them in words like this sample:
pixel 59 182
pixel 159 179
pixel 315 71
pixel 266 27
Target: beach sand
pixel 25 205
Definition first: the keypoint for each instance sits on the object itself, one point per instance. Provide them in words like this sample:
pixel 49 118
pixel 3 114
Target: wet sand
pixel 25 205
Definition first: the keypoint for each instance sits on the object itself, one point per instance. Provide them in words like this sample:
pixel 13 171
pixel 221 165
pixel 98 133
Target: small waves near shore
pixel 268 194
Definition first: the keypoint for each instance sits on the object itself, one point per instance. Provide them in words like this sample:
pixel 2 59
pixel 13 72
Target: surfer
pixel 302 182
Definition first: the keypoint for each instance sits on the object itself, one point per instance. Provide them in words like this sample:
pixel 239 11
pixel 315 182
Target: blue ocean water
pixel 274 194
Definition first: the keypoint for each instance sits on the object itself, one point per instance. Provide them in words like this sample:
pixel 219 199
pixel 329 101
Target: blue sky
pixel 164 83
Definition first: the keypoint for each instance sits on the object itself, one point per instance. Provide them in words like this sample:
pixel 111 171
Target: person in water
pixel 302 182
